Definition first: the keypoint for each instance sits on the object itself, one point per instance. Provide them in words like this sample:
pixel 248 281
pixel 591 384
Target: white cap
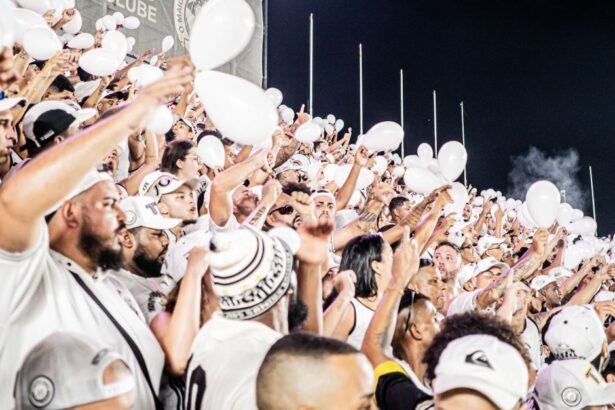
pixel 484 364
pixel 560 272
pixel 143 211
pixel 487 242
pixel 465 274
pixel 541 281
pixel 576 332
pixel 571 384
pixel 157 184
pixel 90 179
pixel 8 103
pixel 482 266
pixel 177 255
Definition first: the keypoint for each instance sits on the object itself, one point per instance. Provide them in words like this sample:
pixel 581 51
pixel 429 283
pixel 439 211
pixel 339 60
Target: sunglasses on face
pixel 284 210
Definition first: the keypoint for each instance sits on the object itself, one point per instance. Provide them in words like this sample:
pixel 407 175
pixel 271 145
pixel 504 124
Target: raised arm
pixel 132 182
pixel 382 326
pixel 54 174
pixel 220 202
pixel 345 192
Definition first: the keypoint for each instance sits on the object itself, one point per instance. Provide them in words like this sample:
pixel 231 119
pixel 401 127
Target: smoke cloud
pixel 562 168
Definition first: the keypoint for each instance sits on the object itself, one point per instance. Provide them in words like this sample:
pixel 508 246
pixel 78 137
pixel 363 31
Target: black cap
pixel 62 84
pixel 48 125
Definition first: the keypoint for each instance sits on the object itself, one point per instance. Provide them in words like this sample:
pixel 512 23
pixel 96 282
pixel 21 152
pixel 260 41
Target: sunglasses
pixel 284 210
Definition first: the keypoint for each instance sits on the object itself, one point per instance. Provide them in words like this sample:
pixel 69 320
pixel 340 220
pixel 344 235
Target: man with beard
pixel 62 276
pixel 8 139
pixel 448 260
pixel 256 299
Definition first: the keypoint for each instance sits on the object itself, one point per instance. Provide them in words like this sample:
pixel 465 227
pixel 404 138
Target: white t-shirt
pixel 464 302
pixel 225 359
pixel 230 225
pixel 362 316
pixel 40 296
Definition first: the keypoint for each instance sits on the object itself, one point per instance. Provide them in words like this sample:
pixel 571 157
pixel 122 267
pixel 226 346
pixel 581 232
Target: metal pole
pixel 265 41
pixel 591 183
pixel 463 141
pixel 401 103
pixel 360 89
pixel 435 126
pixel 311 108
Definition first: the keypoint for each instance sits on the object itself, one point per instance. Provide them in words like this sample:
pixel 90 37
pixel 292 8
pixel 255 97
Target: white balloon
pixel 576 215
pixel 543 201
pixel 355 198
pixel 131 23
pixel 69 4
pixel 131 41
pixel 399 171
pixel 564 214
pixel 99 24
pixel 366 177
pixel 222 29
pixel 26 20
pixel 573 255
pixel 109 22
pixel 144 75
pixel 384 136
pixel 8 26
pixel 452 159
pixel 425 152
pixel 380 165
pixel 41 43
pixel 238 108
pixel 167 43
pixel 99 62
pixel 288 115
pixel 421 180
pixel 161 120
pixel 329 172
pixel 119 18
pixel 331 119
pixel 81 41
pixel 413 161
pixel 339 124
pixel 312 170
pixel 319 121
pixel 116 42
pixel 275 96
pixel 308 132
pixel 211 151
pixel 153 60
pixel 37 6
pixel 73 26
pixel 458 193
pixel 525 218
pixel 329 129
pixel 584 226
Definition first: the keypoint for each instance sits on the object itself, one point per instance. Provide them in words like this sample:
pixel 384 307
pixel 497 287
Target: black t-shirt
pixel 396 391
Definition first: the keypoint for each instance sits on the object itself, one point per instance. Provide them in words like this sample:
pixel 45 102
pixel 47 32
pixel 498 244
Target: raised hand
pixel 405 261
pixel 344 283
pixel 314 247
pixel 271 191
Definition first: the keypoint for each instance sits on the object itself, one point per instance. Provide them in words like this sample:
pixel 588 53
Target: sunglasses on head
pixel 284 210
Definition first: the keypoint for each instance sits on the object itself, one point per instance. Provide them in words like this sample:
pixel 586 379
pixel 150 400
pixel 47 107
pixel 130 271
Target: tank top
pixel 362 317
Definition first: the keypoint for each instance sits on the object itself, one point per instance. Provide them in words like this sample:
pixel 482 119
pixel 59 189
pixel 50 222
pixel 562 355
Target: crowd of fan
pixel 135 276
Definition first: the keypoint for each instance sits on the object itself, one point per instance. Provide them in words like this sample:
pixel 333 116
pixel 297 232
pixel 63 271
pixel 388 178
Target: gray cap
pixel 66 370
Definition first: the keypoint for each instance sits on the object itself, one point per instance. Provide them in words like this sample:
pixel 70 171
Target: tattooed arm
pixel 361 226
pixel 271 192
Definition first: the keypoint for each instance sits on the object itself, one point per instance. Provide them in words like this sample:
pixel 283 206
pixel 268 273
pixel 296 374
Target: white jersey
pixel 464 302
pixel 362 316
pixel 225 358
pixel 40 296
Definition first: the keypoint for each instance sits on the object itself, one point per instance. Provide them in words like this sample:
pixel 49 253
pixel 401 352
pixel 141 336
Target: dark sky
pixel 538 73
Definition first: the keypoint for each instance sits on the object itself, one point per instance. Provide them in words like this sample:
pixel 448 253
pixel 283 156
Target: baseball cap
pixel 143 211
pixel 158 183
pixel 290 165
pixel 8 103
pixel 541 281
pixel 571 384
pixel 48 119
pixel 484 364
pixel 65 370
pixel 90 179
pixel 560 272
pixel 487 242
pixel 251 271
pixel 575 332
pixel 482 266
pixel 176 261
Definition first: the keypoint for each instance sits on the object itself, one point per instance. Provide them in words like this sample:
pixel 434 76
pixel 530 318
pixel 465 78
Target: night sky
pixel 530 73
